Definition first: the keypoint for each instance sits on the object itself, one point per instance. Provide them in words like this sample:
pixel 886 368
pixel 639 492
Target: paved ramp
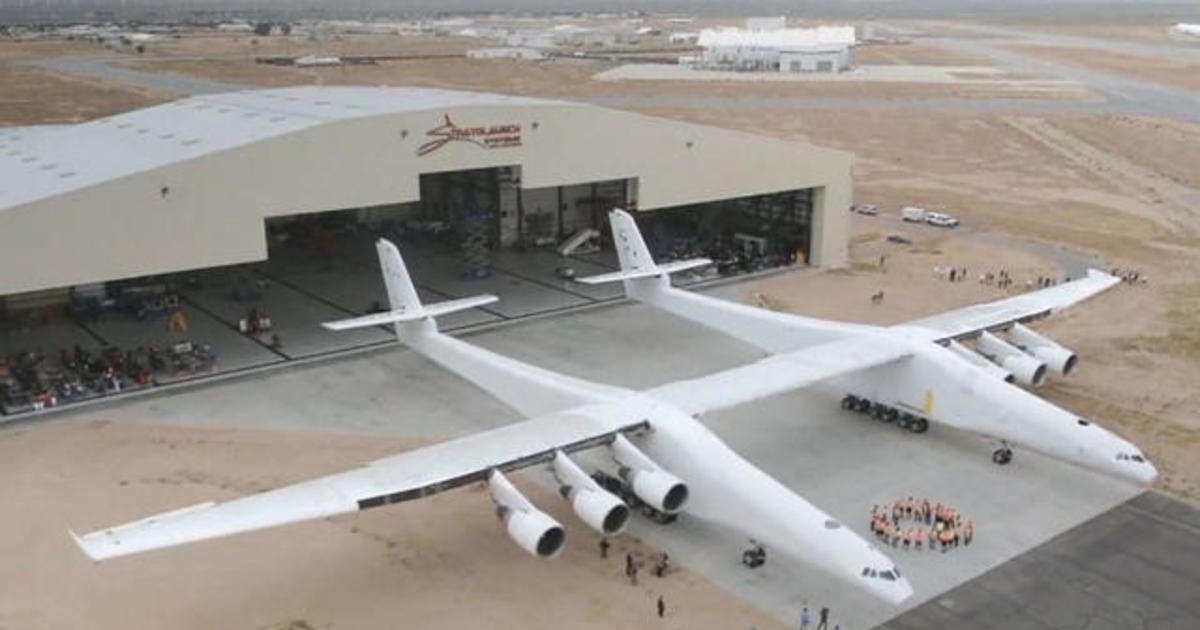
pixel 1135 566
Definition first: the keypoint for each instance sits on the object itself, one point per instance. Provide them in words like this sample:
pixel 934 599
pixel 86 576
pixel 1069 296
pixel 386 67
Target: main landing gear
pixel 755 556
pixel 884 413
pixel 1002 455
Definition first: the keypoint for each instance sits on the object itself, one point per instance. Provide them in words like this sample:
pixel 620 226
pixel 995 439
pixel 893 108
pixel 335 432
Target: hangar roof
pixel 47 160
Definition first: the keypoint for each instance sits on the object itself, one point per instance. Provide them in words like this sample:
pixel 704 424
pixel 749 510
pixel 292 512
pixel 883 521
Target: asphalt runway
pixel 1135 566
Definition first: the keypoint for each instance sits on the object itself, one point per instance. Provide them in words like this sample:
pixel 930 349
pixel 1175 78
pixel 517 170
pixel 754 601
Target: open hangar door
pixel 740 235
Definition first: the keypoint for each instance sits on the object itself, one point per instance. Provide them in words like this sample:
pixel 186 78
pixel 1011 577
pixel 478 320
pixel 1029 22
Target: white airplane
pixel 665 456
pixel 915 372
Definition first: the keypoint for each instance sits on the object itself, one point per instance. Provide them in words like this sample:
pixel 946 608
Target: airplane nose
pixel 1150 474
pixel 899 592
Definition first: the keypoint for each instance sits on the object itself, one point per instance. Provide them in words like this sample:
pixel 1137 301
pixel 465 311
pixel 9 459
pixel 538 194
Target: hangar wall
pixel 210 210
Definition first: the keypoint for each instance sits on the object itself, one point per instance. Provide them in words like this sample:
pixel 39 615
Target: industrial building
pixel 776 49
pixel 198 204
pixel 198 182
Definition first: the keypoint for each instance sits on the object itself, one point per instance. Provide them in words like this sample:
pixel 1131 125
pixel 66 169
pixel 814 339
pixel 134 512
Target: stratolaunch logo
pixel 490 137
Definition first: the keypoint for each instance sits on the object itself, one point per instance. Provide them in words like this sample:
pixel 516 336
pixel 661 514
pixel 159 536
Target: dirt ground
pixel 1169 147
pixel 448 556
pixel 1177 73
pixel 1152 32
pixel 231 59
pixel 30 96
pixel 912 54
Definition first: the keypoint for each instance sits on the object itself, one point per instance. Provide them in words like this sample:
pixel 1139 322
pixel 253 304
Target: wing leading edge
pixel 971 320
pixel 402 477
pixel 778 374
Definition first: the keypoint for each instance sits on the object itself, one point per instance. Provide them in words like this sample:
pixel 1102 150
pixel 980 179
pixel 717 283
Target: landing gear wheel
pixel 864 405
pixel 850 402
pixel 920 425
pixel 891 415
pixel 1002 456
pixel 905 421
pixel 879 412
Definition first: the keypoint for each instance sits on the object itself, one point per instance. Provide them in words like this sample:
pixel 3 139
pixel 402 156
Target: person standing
pixel 804 619
pixel 823 624
pixel 603 547
pixel 662 608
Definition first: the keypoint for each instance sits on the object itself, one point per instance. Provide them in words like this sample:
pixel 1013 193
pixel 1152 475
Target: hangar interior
pixel 466 229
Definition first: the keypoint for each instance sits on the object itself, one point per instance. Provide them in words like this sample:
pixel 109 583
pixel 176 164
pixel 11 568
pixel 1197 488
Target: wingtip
pixel 82 545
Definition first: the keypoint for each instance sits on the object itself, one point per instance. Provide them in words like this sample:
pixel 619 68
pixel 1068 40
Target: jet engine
pixel 532 530
pixel 593 505
pixel 1059 359
pixel 662 490
pixel 974 359
pixel 1028 370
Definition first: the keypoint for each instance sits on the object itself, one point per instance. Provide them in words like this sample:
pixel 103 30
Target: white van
pixel 940 219
pixel 912 213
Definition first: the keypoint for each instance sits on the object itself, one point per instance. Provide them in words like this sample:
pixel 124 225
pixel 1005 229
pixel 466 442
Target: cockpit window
pixel 1131 457
pixel 890 575
pixel 1082 422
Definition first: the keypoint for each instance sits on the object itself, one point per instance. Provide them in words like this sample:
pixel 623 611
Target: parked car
pixel 869 209
pixel 912 213
pixel 941 219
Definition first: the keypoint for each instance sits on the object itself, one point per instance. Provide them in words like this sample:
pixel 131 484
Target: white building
pixel 1183 28
pixel 828 58
pixel 821 49
pixel 766 23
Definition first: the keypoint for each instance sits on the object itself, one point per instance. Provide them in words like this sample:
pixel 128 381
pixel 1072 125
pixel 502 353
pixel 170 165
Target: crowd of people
pixel 1001 279
pixel 1128 276
pixel 914 523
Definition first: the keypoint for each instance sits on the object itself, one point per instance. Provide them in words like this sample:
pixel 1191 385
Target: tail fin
pixel 635 258
pixel 402 296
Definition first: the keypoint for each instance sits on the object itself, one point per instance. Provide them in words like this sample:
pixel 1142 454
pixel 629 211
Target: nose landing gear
pixel 1002 455
pixel 755 556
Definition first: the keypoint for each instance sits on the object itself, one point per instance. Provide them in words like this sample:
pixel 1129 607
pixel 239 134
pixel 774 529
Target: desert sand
pixel 444 561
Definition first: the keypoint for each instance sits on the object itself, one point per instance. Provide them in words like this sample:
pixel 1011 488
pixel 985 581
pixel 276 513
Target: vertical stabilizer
pixel 401 293
pixel 631 248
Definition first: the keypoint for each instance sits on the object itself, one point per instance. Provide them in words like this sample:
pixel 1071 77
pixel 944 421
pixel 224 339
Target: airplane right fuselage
pixel 939 385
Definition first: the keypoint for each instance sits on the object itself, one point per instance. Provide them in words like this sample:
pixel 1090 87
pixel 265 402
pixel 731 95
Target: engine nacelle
pixel 662 490
pixel 974 359
pixel 1060 359
pixel 532 530
pixel 593 505
pixel 1025 368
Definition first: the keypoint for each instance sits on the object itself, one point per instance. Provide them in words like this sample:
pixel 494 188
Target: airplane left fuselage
pixel 727 489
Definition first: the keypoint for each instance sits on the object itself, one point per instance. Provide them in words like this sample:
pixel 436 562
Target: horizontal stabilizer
pixel 657 270
pixel 411 315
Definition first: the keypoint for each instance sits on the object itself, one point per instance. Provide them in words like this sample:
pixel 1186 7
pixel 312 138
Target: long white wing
pixel 403 477
pixel 1022 308
pixel 778 374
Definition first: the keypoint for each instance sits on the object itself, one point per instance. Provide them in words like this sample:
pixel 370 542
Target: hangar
pixel 196 206
pixel 195 183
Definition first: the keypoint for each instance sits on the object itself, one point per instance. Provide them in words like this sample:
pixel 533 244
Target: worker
pixel 603 547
